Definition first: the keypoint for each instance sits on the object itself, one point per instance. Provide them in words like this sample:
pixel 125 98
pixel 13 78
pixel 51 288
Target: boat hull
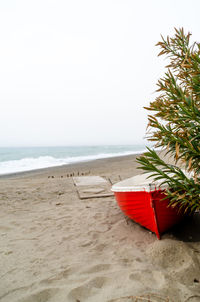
pixel 149 210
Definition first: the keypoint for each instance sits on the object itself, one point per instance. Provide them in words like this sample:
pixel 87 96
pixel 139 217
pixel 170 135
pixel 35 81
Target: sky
pixel 79 72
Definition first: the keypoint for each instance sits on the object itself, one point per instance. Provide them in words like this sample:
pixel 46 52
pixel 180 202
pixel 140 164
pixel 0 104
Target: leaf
pixel 177 150
pixel 190 163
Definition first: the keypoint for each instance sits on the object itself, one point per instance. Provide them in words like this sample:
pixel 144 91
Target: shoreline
pixel 70 166
pixel 26 160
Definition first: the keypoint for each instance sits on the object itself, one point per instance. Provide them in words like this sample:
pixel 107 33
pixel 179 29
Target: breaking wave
pixel 31 163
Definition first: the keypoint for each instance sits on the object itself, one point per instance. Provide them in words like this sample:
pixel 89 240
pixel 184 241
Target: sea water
pixel 14 160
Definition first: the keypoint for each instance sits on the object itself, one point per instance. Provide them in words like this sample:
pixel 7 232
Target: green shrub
pixel 174 124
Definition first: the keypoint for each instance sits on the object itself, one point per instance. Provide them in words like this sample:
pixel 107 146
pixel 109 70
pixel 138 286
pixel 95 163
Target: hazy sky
pixel 80 71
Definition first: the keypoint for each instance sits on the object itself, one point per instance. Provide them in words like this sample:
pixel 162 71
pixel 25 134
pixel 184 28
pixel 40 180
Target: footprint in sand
pixel 43 295
pixel 27 294
pixel 99 248
pixel 89 289
pixel 97 268
pixel 154 279
pixel 64 274
pixel 86 243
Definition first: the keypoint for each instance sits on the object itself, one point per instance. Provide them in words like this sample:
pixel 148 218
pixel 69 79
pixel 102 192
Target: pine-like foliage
pixel 174 123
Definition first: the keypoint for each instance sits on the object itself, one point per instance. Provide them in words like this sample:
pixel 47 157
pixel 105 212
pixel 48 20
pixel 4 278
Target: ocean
pixel 20 159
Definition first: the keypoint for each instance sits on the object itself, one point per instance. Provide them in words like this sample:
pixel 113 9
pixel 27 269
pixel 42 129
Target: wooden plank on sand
pixel 92 187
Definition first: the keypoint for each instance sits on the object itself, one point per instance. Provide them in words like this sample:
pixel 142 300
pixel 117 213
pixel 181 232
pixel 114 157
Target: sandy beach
pixel 58 248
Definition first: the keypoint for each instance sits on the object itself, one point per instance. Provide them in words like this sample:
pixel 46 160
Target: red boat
pixel 142 200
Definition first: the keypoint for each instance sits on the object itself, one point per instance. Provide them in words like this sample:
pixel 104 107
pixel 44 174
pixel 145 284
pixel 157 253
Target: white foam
pixel 29 164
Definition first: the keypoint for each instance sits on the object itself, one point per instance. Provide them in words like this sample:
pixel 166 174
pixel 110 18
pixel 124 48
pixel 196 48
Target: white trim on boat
pixel 140 183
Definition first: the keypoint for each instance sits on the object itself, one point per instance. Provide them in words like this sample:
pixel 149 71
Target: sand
pixel 58 248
